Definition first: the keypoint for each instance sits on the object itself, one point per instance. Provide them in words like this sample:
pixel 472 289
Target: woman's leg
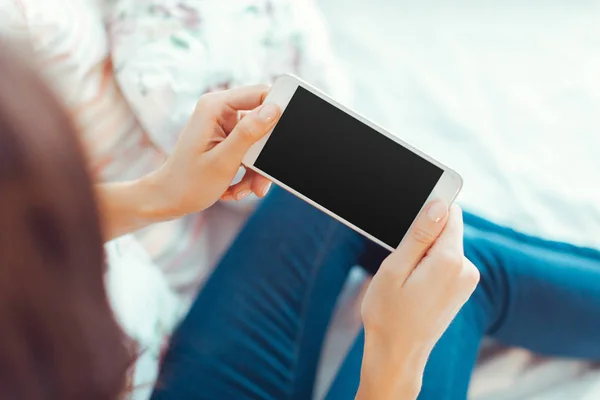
pixel 536 294
pixel 542 295
pixel 256 328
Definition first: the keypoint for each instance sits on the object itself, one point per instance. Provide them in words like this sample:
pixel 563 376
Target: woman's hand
pixel 210 149
pixel 202 166
pixel 411 301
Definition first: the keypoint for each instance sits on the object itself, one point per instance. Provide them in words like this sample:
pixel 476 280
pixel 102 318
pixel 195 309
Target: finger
pixel 421 236
pixel 241 189
pixel 249 130
pixel 247 97
pixel 445 261
pixel 242 114
pixel 227 196
pixel 229 123
pixel 252 182
pixel 260 185
pixel 451 239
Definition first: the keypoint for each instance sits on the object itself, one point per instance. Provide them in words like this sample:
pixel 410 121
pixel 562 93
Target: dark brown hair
pixel 58 337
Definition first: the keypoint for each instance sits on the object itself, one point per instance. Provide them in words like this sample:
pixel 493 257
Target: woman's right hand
pixel 411 301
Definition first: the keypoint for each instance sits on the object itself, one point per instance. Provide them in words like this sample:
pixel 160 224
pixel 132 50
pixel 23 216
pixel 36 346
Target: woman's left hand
pixel 210 149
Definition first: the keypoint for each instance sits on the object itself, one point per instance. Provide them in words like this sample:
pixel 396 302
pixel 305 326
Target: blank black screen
pixel 347 167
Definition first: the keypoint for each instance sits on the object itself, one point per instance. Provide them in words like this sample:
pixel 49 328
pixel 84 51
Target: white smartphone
pixel 347 166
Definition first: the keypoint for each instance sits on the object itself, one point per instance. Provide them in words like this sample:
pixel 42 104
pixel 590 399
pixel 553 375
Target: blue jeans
pixel 257 328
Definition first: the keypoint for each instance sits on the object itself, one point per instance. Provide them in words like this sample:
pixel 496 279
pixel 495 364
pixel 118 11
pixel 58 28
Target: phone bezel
pixel 446 189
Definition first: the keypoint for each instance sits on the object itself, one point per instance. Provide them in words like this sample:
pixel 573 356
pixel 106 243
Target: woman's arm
pixel 411 301
pixel 200 169
pixel 389 373
pixel 129 206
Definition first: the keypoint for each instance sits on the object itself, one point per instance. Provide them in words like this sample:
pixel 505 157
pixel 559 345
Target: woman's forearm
pixel 388 387
pixel 206 154
pixel 389 372
pixel 129 206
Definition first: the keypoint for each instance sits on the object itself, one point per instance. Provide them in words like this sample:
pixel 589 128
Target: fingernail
pixel 437 211
pixel 268 112
pixel 266 189
pixel 242 194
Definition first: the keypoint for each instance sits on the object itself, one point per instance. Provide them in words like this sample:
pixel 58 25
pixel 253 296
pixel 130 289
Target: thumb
pixel 422 234
pixel 251 128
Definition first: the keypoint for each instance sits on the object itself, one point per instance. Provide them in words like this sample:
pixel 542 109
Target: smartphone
pixel 347 166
